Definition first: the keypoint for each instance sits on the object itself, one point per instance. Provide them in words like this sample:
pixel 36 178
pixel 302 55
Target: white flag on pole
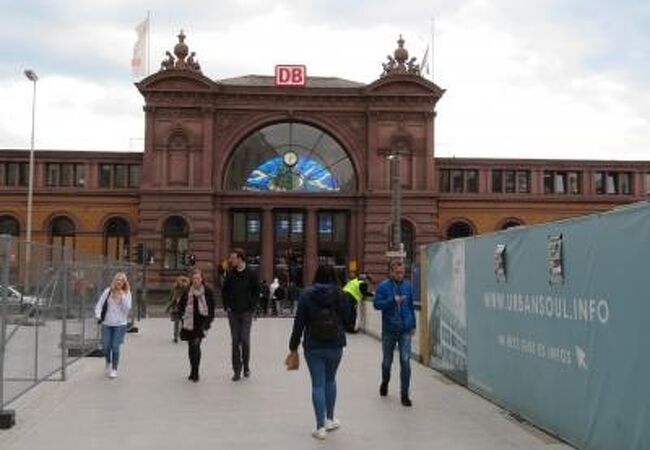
pixel 425 67
pixel 139 60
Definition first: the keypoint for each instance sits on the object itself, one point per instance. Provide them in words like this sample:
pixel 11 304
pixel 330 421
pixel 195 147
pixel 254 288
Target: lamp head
pixel 31 75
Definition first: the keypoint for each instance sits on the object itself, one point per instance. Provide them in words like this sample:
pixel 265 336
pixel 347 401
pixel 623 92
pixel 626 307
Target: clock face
pixel 290 158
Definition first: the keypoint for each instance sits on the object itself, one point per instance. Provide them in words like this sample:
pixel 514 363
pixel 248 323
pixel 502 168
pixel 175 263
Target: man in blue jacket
pixel 394 298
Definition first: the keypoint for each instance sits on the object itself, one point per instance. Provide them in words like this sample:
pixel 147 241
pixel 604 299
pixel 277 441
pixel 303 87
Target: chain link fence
pixel 47 301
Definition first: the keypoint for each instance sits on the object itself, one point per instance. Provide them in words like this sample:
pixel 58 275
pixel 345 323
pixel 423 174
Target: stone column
pixel 267 245
pixel 311 246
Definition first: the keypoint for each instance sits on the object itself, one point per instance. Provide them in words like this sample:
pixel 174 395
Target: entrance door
pixel 333 241
pixel 289 248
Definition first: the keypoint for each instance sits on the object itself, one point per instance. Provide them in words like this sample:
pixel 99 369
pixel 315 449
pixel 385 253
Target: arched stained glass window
pixel 290 157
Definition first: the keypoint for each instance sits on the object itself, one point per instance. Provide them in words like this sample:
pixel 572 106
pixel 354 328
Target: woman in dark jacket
pixel 196 310
pixel 322 317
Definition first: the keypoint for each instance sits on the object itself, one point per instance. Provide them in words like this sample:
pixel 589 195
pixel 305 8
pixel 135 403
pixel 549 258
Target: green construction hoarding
pixel 552 322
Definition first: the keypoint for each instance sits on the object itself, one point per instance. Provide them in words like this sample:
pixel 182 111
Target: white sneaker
pixel 331 425
pixel 107 369
pixel 319 433
pixel 113 374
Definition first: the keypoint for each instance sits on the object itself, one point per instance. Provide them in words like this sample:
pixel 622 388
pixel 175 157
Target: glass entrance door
pixel 333 241
pixel 289 248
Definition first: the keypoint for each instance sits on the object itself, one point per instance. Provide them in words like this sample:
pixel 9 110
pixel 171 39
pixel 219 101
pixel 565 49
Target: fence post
pixel 425 336
pixel 7 416
pixel 64 314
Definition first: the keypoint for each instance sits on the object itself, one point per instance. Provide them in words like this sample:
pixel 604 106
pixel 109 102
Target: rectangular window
pixel 325 227
pixel 599 182
pixel 523 181
pixel 120 176
pixel 510 179
pixel 3 174
pixel 613 183
pixel 12 174
pixel 647 183
pixel 457 181
pixel 79 175
pixel 253 227
pixel 53 174
pixel 574 183
pixel 23 176
pixel 472 180
pixel 135 171
pixel 239 227
pixel 105 175
pixel 562 182
pixel 625 183
pixel 444 180
pixel 559 183
pixel 497 181
pixel 67 174
pixel 340 227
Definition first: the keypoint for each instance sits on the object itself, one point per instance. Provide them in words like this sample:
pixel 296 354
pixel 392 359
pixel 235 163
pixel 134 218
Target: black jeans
pixel 240 332
pixel 194 352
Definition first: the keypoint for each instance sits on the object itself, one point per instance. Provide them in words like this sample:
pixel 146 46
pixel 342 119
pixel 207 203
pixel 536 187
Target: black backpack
pixel 325 323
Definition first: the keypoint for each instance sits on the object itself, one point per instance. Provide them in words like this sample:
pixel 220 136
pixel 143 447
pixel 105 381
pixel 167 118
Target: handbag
pixel 292 361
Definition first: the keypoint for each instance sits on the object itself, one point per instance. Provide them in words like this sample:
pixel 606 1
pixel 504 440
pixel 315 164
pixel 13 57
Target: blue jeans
pixel 323 364
pixel 112 338
pixel 389 340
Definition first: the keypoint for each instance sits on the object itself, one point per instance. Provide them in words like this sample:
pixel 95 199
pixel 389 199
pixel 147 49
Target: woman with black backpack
pixel 322 316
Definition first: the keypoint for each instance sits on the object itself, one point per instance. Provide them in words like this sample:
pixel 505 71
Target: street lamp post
pixel 31 76
pixel 396 248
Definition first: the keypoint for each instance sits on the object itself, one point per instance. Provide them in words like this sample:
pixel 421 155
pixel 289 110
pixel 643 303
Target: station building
pixel 294 175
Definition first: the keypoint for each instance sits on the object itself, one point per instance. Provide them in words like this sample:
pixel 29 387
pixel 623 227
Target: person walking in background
pixel 264 298
pixel 240 294
pixel 272 288
pixel 394 298
pixel 196 308
pixel 112 311
pixel 322 315
pixel 181 285
pixel 356 290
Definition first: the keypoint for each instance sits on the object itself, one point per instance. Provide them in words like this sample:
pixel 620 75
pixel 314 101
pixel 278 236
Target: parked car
pixel 25 302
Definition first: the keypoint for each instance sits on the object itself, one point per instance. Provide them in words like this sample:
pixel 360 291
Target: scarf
pixel 188 317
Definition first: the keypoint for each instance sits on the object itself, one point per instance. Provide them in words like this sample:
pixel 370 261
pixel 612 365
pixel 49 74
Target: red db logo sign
pixel 286 75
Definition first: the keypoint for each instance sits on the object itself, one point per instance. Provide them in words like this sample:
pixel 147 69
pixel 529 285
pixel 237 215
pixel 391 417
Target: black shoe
pixel 247 373
pixel 383 389
pixel 406 401
pixel 236 377
pixel 196 378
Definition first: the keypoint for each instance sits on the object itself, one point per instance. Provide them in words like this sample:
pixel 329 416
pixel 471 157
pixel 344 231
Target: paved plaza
pixel 151 405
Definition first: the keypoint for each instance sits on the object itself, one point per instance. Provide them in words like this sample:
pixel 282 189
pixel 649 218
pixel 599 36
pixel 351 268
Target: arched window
pixel 9 225
pixel 459 229
pixel 117 234
pixel 175 237
pixel 509 223
pixel 290 157
pixel 62 238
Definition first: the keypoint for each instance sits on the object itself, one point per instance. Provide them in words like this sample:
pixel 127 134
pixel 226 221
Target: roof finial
pixel 399 62
pixel 181 50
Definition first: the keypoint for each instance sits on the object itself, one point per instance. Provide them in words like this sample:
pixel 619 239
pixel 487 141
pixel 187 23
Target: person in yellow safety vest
pixel 356 290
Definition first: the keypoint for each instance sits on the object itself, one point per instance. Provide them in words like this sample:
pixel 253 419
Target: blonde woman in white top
pixel 112 312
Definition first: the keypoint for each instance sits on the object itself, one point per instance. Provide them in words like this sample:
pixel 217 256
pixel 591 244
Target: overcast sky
pixel 524 78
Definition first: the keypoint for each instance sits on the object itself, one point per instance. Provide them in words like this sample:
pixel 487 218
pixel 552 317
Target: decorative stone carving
pixel 400 63
pixel 181 51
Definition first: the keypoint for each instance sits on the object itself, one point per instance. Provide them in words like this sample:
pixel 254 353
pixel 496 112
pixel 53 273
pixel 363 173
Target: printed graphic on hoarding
pixel 446 297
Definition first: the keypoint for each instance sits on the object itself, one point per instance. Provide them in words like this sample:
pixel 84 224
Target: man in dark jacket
pixel 394 298
pixel 240 294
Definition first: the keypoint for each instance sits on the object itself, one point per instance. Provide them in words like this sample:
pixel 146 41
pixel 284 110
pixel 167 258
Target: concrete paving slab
pixel 152 405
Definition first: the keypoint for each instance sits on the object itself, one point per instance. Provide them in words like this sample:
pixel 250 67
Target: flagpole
pixel 432 35
pixel 148 42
